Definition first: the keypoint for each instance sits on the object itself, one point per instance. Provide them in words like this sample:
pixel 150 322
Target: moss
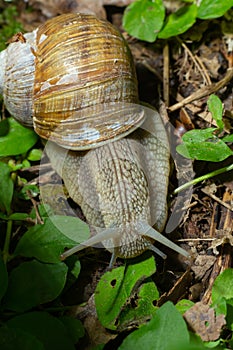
pixel 8 25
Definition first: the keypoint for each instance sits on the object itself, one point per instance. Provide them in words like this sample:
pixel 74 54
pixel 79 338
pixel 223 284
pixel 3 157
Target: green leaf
pixel 74 328
pixel 3 279
pixel 183 305
pixel 35 154
pixel 115 287
pixel 48 241
pixel 213 8
pixel 143 19
pixel 223 286
pixel 211 151
pixel 18 216
pixel 222 295
pixel 32 189
pixel 99 347
pixel 18 140
pixel 4 127
pixel 216 109
pixel 229 315
pixel 203 145
pixel 228 138
pixel 195 136
pixel 49 330
pixel 179 22
pixel 44 211
pixel 166 331
pixel 197 344
pixel 12 339
pixel 221 306
pixel 6 188
pixel 33 283
pixel 26 164
pixel 76 267
pixel 142 306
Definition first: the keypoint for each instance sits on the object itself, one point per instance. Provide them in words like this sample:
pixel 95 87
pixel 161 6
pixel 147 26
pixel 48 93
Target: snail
pixel 73 80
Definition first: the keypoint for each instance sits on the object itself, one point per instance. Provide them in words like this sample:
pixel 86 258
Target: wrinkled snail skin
pixel 74 80
pixel 121 186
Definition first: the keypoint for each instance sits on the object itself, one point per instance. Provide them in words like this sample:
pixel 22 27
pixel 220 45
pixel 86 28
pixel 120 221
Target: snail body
pixel 121 188
pixel 77 86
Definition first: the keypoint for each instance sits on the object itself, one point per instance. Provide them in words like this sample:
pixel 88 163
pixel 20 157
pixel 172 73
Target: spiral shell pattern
pixel 75 75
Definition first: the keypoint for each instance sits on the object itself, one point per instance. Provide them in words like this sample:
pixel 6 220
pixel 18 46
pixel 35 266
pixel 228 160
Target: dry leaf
pixel 51 8
pixel 226 238
pixel 202 264
pixel 202 320
pixel 96 332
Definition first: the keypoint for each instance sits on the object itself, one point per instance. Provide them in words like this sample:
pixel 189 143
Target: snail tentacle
pixel 108 233
pixel 157 251
pixel 146 230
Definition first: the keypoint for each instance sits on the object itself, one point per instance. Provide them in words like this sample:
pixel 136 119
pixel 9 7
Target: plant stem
pixel 5 252
pixel 202 178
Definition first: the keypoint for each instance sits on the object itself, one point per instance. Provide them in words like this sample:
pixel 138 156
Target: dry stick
pixel 196 61
pixel 34 203
pixel 208 80
pixel 205 91
pixel 207 239
pixel 166 74
pixel 228 206
pixel 213 224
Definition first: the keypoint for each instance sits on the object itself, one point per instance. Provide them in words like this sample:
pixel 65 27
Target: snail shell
pixel 69 75
pixel 17 77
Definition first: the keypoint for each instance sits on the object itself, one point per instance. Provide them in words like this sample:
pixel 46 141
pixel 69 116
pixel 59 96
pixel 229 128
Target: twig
pixel 228 206
pixel 195 239
pixel 196 62
pixel 203 68
pixel 166 74
pixel 205 91
pixel 34 203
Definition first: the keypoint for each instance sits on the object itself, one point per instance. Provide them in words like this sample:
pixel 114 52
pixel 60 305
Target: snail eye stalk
pixel 146 230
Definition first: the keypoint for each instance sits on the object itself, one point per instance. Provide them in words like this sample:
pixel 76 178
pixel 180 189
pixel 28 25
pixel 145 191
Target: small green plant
pixel 8 25
pixel 33 279
pixel 147 20
pixel 126 297
pixel 38 276
pixel 207 144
